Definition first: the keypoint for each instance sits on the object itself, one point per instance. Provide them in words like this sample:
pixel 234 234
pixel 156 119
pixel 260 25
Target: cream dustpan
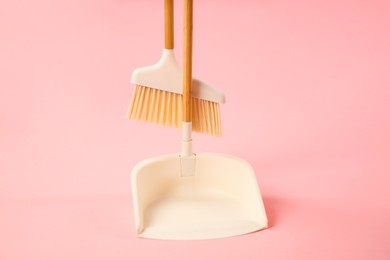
pixel 220 199
pixel 195 196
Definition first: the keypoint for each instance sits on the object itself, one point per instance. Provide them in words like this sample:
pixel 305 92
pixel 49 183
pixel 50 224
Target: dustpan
pixel 220 199
pixel 191 196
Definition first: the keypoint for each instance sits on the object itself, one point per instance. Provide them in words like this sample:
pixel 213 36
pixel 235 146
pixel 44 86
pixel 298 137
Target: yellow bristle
pixel 165 108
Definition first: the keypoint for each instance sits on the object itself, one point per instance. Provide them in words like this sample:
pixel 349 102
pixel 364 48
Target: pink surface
pixel 308 101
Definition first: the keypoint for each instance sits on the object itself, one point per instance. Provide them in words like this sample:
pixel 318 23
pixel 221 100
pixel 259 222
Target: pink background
pixel 308 104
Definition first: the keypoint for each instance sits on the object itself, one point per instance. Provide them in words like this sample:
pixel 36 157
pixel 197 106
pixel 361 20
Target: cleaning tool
pixel 158 92
pixel 195 196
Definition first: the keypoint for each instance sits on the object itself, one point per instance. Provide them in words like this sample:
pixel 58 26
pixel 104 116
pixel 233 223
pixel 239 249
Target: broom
pixel 158 94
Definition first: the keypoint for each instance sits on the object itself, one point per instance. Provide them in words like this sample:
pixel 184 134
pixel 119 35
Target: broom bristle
pixel 165 108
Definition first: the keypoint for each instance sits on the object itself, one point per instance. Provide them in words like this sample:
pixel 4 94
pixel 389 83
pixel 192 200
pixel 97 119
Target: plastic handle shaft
pixel 187 62
pixel 168 24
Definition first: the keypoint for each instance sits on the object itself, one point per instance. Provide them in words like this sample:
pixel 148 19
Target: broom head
pixel 165 108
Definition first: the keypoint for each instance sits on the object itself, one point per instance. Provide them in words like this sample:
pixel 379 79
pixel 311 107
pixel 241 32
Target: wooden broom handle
pixel 168 24
pixel 187 62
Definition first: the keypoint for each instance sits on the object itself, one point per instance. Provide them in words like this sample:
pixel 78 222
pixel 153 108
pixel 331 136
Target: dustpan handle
pixel 187 80
pixel 187 62
pixel 168 25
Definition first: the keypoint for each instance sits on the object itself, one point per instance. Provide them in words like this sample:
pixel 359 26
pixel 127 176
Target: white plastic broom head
pixel 167 75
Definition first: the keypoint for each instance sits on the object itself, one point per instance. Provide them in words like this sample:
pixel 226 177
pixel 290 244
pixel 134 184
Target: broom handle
pixel 187 62
pixel 168 24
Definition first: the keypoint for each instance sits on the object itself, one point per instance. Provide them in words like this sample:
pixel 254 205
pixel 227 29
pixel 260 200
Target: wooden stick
pixel 168 24
pixel 187 63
